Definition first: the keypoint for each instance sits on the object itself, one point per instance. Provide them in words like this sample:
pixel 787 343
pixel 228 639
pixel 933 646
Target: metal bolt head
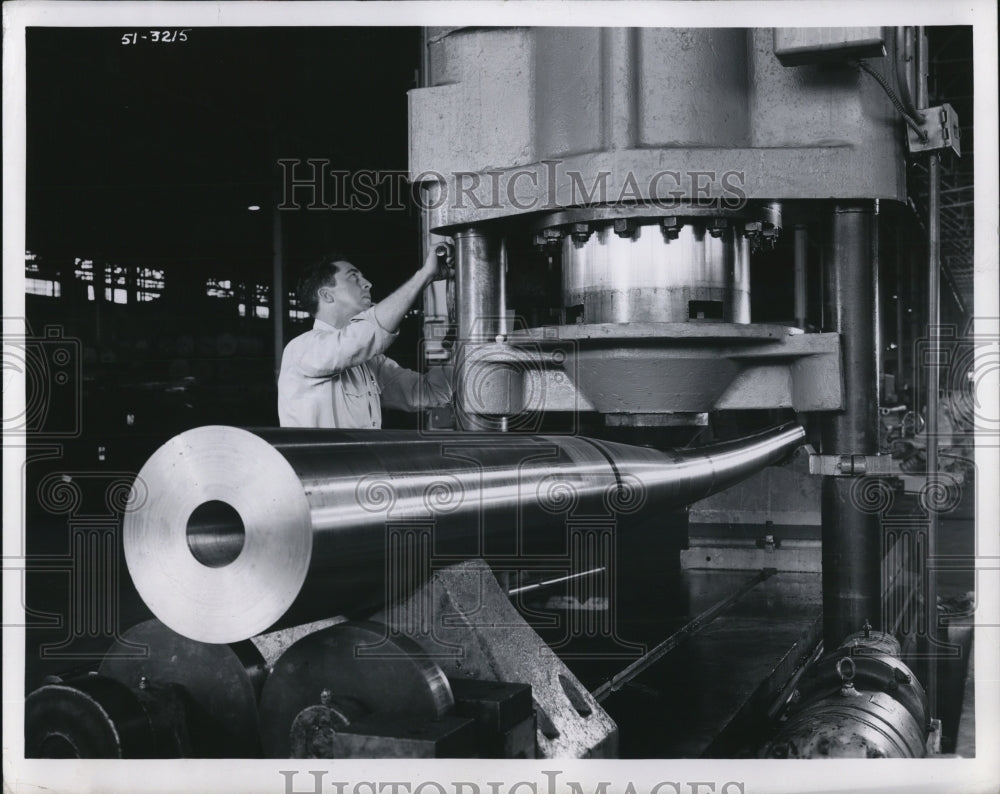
pixel 624 227
pixel 143 682
pixel 580 232
pixel 324 697
pixel 671 228
pixel 716 227
pixel 901 676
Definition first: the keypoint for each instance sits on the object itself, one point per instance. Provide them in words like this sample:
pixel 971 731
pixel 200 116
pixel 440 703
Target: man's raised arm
pixel 389 312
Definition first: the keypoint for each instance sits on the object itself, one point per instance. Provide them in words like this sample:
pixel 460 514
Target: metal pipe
pixel 922 67
pixel 546 583
pixel 800 276
pixel 915 313
pixel 905 62
pixel 307 523
pixel 933 332
pixel 851 537
pixel 277 290
pixel 902 301
pixel 788 692
pixel 933 385
pixel 277 261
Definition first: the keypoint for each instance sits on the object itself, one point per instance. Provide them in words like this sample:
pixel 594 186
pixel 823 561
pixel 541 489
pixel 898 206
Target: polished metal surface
pixel 479 282
pixel 348 670
pixel 480 306
pixel 648 277
pixel 323 515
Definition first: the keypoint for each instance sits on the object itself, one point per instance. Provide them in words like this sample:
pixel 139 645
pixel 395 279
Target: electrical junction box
pixel 942 129
pixel 801 46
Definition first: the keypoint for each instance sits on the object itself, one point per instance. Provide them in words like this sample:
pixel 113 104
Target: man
pixel 336 374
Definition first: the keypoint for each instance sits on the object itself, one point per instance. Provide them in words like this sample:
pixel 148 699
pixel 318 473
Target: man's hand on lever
pixel 390 311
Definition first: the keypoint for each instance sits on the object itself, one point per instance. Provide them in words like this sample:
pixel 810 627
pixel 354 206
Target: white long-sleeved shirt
pixel 339 377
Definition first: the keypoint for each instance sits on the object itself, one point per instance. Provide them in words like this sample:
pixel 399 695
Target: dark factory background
pixel 143 163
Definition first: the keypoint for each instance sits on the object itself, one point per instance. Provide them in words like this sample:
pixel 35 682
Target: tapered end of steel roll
pixel 731 462
pixel 684 476
pixel 220 540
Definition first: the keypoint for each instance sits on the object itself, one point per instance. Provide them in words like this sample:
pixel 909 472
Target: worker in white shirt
pixel 336 375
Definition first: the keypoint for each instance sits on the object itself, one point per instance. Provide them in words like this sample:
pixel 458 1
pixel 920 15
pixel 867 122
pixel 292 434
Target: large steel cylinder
pixel 244 530
pixel 648 277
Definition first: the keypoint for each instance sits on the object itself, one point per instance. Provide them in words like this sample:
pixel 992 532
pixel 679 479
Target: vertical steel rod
pixel 800 276
pixel 902 301
pixel 852 541
pixel 277 287
pixel 933 334
pixel 277 257
pixel 933 384
pixel 478 282
pixel 480 309
pixel 922 64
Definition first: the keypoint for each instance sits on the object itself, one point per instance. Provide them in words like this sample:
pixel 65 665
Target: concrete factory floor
pixel 709 696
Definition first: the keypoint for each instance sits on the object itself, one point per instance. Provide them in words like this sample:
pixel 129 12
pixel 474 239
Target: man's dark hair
pixel 322 273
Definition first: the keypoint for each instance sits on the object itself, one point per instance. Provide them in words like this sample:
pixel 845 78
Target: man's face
pixel 351 293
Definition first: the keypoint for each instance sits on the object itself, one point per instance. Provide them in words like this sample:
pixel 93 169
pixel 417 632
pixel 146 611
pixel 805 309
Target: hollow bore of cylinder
pixel 215 533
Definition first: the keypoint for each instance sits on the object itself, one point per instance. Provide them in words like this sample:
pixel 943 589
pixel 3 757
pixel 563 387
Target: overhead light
pixel 254 208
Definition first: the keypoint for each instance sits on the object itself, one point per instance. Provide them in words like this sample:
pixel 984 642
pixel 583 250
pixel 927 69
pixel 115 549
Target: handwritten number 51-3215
pixel 155 36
